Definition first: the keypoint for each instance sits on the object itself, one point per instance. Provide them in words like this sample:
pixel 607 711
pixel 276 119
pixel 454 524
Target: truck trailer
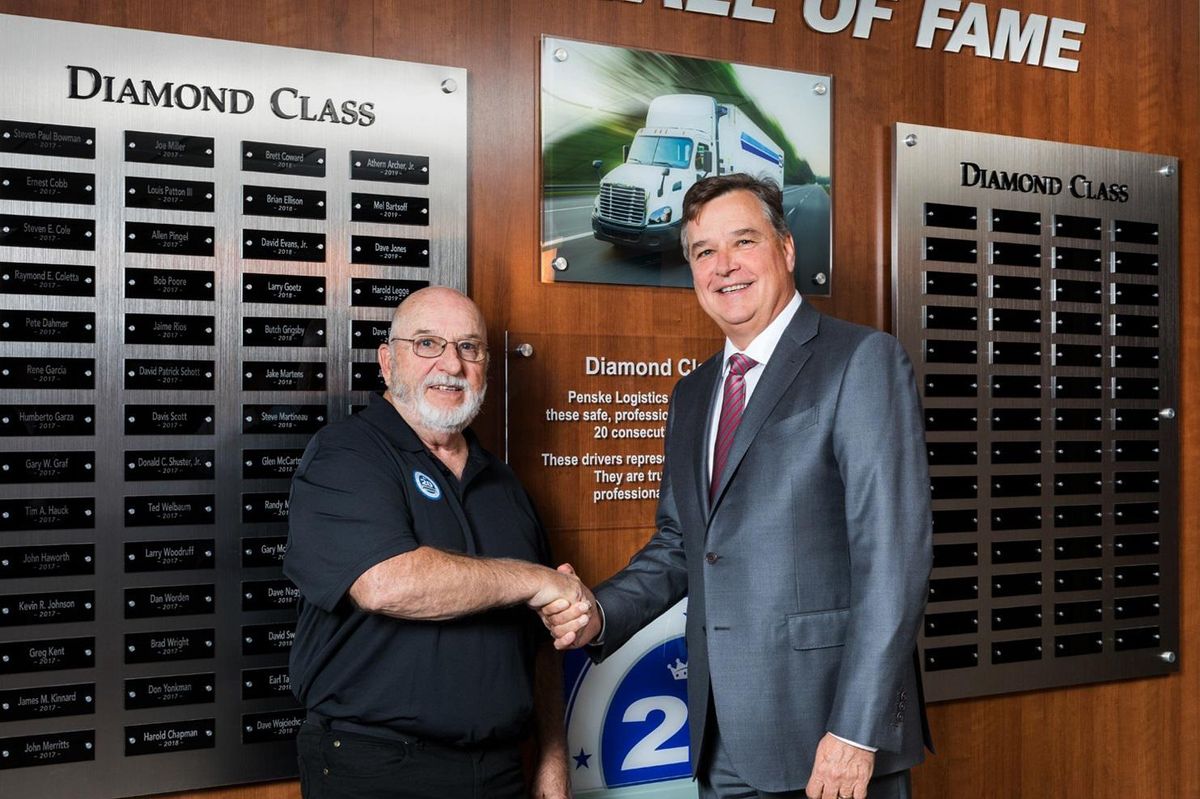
pixel 687 137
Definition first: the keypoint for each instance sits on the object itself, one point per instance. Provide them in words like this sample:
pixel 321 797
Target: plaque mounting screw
pixel 911 140
pixel 1167 413
pixel 524 350
pixel 449 86
pixel 1166 171
pixel 820 279
pixel 1167 657
pixel 560 264
pixel 561 54
pixel 820 89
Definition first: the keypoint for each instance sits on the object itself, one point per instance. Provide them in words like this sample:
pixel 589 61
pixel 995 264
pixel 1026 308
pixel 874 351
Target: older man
pixel 415 551
pixel 794 514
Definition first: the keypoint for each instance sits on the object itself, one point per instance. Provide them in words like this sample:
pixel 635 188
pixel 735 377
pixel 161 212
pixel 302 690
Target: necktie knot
pixel 739 364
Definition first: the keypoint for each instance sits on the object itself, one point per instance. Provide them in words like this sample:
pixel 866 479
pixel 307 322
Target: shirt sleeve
pixel 347 513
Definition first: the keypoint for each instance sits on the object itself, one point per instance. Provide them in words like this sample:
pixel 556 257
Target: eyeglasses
pixel 433 346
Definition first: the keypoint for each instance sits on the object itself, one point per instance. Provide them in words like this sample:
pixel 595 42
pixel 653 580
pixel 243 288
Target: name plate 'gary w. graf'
pixel 47 467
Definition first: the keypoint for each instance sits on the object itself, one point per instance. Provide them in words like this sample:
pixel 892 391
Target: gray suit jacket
pixel 807 576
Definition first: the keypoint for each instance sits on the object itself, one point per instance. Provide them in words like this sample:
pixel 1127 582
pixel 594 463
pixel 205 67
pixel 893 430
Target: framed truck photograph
pixel 626 133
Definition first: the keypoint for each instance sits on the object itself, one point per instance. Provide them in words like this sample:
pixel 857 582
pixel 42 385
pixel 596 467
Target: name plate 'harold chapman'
pixel 175 736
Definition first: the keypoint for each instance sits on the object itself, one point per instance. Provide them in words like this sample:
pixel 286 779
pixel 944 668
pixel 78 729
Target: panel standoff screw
pixel 561 54
pixel 560 264
pixel 524 350
pixel 911 140
pixel 1167 656
pixel 449 86
pixel 820 89
pixel 1166 171
pixel 820 279
pixel 1167 413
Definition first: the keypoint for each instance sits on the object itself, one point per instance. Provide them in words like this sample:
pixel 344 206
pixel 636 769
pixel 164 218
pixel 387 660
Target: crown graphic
pixel 678 670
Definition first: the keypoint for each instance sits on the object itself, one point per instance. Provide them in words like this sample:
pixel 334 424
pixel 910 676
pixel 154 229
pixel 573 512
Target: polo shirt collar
pixel 383 415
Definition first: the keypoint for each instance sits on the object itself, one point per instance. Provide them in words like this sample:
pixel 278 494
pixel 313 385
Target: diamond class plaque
pixel 1037 294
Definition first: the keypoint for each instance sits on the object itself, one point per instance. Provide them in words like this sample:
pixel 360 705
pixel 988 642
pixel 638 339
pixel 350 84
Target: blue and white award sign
pixel 627 725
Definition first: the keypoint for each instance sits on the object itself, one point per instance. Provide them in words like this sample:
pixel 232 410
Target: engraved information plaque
pixel 1037 295
pixel 200 241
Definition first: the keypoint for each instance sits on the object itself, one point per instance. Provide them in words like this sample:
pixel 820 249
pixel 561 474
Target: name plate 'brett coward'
pixel 283 159
pixel 48 701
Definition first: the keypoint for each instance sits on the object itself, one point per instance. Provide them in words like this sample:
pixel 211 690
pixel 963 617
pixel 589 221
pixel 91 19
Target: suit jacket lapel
pixel 786 362
pixel 695 412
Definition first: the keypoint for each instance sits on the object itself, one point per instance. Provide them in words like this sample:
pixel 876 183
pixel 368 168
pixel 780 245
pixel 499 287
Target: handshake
pixel 566 606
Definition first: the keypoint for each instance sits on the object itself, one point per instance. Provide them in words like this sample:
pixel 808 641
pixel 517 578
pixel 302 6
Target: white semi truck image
pixel 687 137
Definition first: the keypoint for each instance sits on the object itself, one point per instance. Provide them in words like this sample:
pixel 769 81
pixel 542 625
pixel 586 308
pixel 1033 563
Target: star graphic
pixel 581 759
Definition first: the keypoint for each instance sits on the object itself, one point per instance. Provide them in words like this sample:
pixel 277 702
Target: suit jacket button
pixel 712 557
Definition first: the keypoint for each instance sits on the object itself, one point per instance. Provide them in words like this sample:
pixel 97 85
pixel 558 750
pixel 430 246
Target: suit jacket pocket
pixel 818 630
pixel 793 423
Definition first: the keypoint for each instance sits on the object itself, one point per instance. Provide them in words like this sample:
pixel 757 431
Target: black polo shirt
pixel 366 490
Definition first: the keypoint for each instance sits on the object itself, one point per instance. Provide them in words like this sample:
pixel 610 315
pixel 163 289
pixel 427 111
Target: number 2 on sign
pixel 646 753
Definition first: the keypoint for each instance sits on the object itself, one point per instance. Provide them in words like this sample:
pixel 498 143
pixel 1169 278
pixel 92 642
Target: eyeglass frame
pixel 483 349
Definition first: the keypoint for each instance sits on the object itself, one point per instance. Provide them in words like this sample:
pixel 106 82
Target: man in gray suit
pixel 794 514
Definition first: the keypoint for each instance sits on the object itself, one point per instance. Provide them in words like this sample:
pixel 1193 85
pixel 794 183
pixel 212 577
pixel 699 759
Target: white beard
pixel 441 420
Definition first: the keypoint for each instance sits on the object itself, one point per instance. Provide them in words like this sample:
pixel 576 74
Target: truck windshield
pixel 672 151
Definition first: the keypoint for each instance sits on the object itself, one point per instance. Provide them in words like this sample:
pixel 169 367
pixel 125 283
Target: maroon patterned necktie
pixel 732 405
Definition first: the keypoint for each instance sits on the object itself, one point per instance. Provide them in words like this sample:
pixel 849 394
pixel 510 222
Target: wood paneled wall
pixel 1136 88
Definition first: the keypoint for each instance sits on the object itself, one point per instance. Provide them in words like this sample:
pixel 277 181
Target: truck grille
pixel 625 205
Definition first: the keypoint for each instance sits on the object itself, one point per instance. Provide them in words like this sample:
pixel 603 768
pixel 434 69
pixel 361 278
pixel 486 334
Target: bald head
pixel 432 303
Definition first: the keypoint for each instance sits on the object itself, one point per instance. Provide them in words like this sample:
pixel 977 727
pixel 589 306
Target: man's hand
pixel 572 623
pixel 560 584
pixel 840 770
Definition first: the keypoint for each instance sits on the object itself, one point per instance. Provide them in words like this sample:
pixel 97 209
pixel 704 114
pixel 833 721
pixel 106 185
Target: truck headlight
pixel 661 216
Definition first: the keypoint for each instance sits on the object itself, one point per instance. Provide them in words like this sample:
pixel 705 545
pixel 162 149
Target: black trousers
pixel 337 764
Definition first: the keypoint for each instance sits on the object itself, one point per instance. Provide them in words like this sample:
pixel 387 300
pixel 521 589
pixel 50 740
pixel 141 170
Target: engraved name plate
pixel 283 202
pixel 383 251
pixel 169 555
pixel 174 736
pixel 270 506
pixel 144 511
pixel 281 376
pixel 388 210
pixel 55 280
pixel 264 551
pixel 48 655
pixel 269 595
pixel 282 418
pixel 389 167
pixel 48 560
pixel 382 293
pixel 270 331
pixel 259 463
pixel 39 185
pixel 285 159
pixel 144 328
pixel 167 645
pixel 68 326
pixel 368 334
pixel 47 420
pixel 158 238
pixel 47 467
pixel 278 725
pixel 144 147
pixel 48 701
pixel 48 748
pixel 47 608
pixel 169 284
pixel 171 464
pixel 47 372
pixel 282 245
pixel 149 420
pixel 283 289
pixel 168 600
pixel 143 373
pixel 169 195
pixel 265 639
pixel 59 513
pixel 265 683
pixel 32 138
pixel 366 377
pixel 172 691
pixel 51 232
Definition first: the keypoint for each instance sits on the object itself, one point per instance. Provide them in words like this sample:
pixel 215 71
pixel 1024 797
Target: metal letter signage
pixel 198 240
